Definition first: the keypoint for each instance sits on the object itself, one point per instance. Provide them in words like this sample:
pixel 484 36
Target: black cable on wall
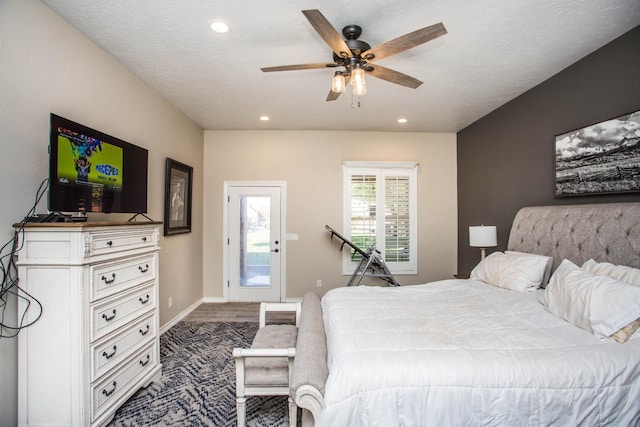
pixel 10 284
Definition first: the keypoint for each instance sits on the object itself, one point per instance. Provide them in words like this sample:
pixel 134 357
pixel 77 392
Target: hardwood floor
pixel 225 312
pixel 234 312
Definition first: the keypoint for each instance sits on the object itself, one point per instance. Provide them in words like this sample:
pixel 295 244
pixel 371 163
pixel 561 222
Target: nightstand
pixel 461 276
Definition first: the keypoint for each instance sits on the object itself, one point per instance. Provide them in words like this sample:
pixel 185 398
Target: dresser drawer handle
pixel 109 281
pixel 144 239
pixel 109 243
pixel 144 301
pixel 109 356
pixel 144 363
pixel 144 332
pixel 107 318
pixel 110 392
pixel 143 269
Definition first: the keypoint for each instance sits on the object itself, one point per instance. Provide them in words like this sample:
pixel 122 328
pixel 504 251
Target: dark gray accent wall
pixel 506 159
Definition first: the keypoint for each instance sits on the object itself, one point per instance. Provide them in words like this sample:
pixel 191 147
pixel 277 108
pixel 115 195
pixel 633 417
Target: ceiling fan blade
pixel 299 67
pixel 328 33
pixel 392 76
pixel 405 42
pixel 332 96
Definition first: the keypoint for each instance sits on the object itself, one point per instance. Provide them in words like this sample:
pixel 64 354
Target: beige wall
pixel 311 164
pixel 48 66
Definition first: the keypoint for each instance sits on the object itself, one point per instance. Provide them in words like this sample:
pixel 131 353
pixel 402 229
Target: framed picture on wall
pixel 177 198
pixel 602 158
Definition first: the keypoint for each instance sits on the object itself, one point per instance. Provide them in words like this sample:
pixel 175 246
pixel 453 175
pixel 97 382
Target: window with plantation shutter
pixel 380 201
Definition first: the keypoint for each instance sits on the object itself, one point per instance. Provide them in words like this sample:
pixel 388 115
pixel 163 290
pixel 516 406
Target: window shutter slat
pixel 381 212
pixel 397 219
pixel 363 212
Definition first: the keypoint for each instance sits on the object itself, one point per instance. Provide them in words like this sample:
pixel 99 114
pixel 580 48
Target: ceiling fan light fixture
pixel 354 55
pixel 357 79
pixel 338 83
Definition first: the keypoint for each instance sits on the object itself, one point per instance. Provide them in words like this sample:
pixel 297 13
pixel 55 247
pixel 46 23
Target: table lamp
pixel 483 237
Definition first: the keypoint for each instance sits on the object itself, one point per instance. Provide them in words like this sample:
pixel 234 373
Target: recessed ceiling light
pixel 402 120
pixel 219 26
pixel 264 118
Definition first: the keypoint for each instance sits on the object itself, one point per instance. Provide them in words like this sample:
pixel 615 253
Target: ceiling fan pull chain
pixel 354 101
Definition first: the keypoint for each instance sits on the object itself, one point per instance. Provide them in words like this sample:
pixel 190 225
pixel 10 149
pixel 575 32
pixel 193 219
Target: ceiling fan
pixel 357 56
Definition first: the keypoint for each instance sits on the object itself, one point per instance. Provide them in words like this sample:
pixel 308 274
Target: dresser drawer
pixel 107 392
pixel 108 354
pixel 111 278
pixel 117 311
pixel 102 243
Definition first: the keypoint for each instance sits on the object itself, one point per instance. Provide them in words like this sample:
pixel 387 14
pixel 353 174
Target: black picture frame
pixel 177 198
pixel 603 158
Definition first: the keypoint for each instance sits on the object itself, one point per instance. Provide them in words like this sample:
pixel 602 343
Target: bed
pixel 494 349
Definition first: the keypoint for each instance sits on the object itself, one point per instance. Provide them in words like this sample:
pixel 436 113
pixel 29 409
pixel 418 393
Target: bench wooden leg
pixel 241 411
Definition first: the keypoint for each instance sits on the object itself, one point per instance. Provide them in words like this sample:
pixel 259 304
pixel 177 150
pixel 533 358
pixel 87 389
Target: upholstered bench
pixel 310 370
pixel 265 368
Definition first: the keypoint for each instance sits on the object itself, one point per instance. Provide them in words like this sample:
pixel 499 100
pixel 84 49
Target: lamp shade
pixel 338 83
pixel 483 236
pixel 357 80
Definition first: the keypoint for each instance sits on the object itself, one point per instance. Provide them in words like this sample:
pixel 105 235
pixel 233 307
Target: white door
pixel 255 246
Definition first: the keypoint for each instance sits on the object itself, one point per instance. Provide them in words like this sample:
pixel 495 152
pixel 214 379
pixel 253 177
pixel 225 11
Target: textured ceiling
pixel 494 51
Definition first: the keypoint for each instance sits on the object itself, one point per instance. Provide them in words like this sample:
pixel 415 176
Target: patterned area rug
pixel 197 387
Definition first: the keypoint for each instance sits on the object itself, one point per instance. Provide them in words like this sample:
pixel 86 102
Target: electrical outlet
pixel 318 283
pixel 170 302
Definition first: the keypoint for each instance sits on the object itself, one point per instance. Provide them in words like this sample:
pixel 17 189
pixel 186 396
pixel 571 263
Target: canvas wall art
pixel 599 159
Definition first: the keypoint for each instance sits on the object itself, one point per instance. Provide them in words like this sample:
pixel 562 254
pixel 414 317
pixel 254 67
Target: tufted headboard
pixel 605 232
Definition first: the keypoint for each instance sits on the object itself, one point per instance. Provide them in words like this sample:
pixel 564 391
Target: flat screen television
pixel 90 171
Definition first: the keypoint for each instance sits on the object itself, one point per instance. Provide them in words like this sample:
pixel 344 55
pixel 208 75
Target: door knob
pixel 276 242
pixel 276 250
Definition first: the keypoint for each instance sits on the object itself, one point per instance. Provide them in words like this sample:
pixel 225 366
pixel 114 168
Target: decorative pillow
pixel 522 273
pixel 547 269
pixel 625 333
pixel 598 304
pixel 618 272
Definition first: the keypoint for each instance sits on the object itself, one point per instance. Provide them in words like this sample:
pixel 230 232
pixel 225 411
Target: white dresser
pixel 97 341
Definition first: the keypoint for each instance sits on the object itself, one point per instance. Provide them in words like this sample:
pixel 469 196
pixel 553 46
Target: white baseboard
pixel 222 300
pixel 180 316
pixel 214 299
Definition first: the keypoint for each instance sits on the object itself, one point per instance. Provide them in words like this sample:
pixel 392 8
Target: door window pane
pixel 255 241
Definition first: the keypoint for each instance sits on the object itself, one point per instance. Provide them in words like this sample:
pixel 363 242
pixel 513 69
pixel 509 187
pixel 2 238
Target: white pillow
pixel 598 304
pixel 568 299
pixel 547 268
pixel 522 273
pixel 618 272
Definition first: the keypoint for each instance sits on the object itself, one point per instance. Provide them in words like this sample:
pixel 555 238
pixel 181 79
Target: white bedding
pixel 461 352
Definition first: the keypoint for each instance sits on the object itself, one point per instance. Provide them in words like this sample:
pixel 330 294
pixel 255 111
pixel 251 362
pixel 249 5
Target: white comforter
pixel 460 352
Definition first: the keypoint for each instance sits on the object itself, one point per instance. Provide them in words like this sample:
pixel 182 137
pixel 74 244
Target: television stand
pixel 98 341
pixel 139 213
